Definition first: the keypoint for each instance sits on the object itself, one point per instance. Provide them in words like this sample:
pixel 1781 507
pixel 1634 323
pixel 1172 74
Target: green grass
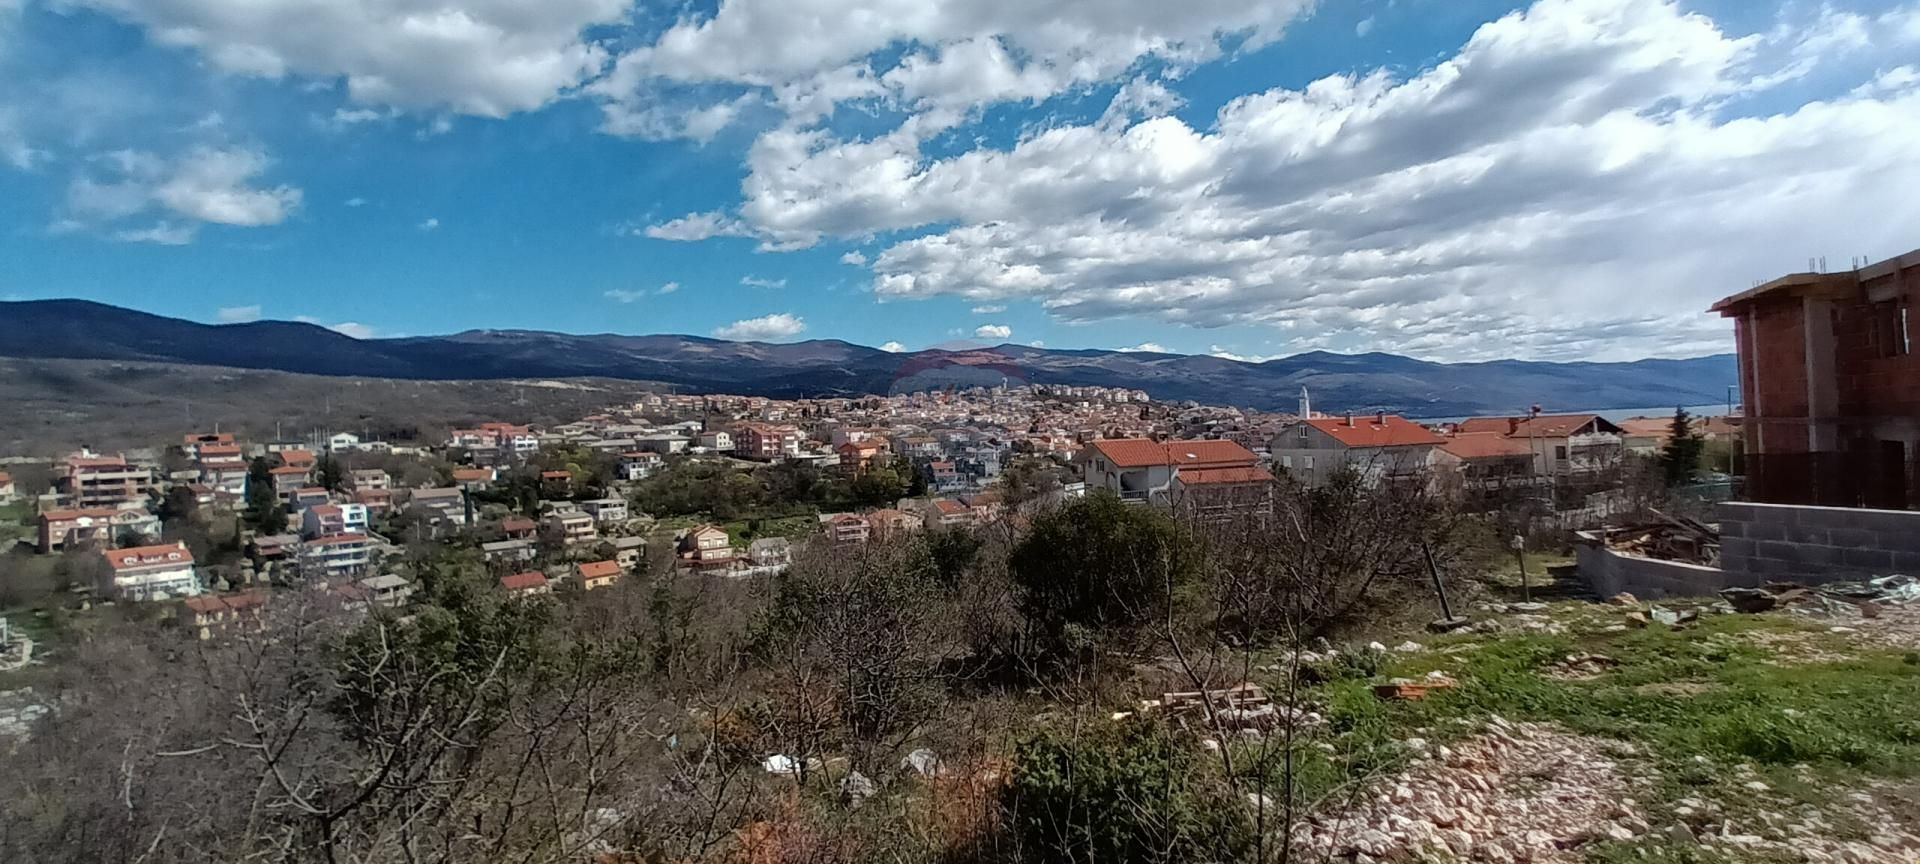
pixel 745 531
pixel 1705 708
pixel 14 523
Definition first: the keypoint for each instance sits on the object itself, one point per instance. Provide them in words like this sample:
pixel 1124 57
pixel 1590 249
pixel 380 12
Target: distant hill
pixel 79 329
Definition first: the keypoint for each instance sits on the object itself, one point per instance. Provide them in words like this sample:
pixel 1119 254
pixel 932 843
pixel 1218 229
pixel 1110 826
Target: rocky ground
pixel 1629 731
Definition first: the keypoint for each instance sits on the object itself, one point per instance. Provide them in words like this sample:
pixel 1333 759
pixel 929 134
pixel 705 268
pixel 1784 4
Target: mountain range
pixel 85 330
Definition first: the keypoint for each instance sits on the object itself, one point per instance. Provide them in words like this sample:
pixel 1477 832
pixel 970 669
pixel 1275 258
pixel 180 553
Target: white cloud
pixel 623 295
pixel 766 328
pixel 989 309
pixel 1150 347
pixel 937 61
pixel 1037 344
pixel 854 258
pixel 160 234
pixel 355 202
pixel 353 329
pixel 429 224
pixel 669 288
pixel 1364 27
pixel 992 331
pixel 1580 179
pixel 238 314
pixel 758 282
pixel 892 347
pixel 205 184
pixel 697 226
pixel 1224 354
pixel 480 57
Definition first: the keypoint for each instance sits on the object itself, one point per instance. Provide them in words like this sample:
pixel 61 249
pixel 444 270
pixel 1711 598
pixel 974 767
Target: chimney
pixel 1349 419
pixel 1513 425
pixel 1380 418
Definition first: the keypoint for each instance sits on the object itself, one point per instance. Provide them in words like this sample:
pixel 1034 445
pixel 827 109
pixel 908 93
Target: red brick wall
pixel 1780 354
pixel 1871 385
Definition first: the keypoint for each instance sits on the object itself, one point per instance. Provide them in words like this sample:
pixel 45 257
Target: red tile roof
pixel 1371 431
pixel 142 556
pixel 1142 453
pixel 469 475
pixel 337 540
pixel 1486 445
pixel 1222 476
pixel 599 569
pixel 287 471
pixel 949 506
pixel 523 581
pixel 1542 426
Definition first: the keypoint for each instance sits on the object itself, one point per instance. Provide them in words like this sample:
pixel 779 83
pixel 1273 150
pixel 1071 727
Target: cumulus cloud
pixel 429 224
pixel 992 331
pixel 854 258
pixel 669 288
pixel 697 226
pixel 989 309
pixel 892 347
pixel 238 314
pixel 477 57
pixel 1580 179
pixel 352 329
pixel 205 184
pixel 766 328
pixel 936 61
pixel 1149 347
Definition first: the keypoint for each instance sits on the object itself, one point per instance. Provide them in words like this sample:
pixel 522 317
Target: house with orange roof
pixel 1143 470
pixel 595 575
pixel 1382 447
pixel 153 572
pixel 210 615
pixel 1564 446
pixel 1217 494
pixel 526 584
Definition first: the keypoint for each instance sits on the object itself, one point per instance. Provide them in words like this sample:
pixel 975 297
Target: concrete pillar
pixel 1823 383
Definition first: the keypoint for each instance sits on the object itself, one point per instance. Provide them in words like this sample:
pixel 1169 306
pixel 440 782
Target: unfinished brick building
pixel 1832 386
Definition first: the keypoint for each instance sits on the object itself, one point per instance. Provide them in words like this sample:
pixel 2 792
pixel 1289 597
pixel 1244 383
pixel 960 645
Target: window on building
pixel 1892 330
pixel 1306 462
pixel 1303 430
pixel 1286 461
pixel 1560 453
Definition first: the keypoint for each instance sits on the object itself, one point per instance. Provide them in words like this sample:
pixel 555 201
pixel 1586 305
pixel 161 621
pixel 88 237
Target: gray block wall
pixel 1810 545
pixel 1609 573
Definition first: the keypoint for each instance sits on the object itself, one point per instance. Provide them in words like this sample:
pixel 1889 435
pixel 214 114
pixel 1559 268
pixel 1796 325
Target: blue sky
pixel 1567 179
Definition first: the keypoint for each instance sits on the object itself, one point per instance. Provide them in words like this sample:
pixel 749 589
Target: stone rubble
pixel 1519 792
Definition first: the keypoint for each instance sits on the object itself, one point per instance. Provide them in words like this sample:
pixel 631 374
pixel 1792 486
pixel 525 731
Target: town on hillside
pixel 1015 623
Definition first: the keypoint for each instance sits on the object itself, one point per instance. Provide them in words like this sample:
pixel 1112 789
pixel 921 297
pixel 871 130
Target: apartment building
pixel 336 556
pixel 330 519
pixel 153 572
pixel 99 526
pixel 1831 386
pixel 89 479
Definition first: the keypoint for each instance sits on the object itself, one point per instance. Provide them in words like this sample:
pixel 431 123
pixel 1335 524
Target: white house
pixel 606 510
pixel 1138 469
pixel 1380 447
pixel 153 572
pixel 343 441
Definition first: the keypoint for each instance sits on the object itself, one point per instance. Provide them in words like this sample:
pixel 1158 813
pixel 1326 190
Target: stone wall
pixel 1609 573
pixel 1810 545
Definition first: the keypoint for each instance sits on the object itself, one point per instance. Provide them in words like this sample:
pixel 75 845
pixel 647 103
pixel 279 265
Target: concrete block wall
pixel 1780 542
pixel 1609 573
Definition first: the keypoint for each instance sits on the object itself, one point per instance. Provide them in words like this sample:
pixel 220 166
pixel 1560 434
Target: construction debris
pixel 1407 689
pixel 1244 707
pixel 1668 538
pixel 1833 599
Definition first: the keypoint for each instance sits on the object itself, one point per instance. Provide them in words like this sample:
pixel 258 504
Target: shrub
pixel 1120 792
